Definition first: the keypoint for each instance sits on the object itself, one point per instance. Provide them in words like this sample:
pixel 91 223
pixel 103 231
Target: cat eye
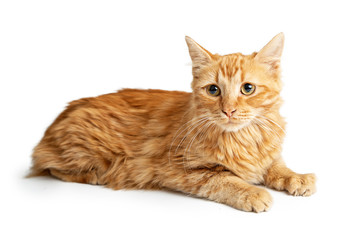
pixel 213 90
pixel 247 89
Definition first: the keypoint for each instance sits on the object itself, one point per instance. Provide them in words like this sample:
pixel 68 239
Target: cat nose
pixel 228 113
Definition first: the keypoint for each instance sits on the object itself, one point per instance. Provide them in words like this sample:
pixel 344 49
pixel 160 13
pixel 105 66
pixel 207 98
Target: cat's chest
pixel 248 157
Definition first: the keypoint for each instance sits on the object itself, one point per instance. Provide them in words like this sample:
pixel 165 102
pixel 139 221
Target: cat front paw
pixel 255 200
pixel 301 184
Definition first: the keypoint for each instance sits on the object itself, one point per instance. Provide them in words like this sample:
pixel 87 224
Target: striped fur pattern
pixel 215 147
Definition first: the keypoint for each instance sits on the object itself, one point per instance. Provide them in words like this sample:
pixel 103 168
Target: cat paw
pixel 301 184
pixel 256 200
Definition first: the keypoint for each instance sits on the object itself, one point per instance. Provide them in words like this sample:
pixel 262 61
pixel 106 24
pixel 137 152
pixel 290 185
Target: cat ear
pixel 200 56
pixel 271 53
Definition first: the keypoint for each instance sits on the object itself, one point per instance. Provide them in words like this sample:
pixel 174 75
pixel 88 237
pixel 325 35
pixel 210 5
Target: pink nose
pixel 229 113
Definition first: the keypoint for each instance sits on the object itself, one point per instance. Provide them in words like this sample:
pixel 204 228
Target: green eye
pixel 213 90
pixel 247 89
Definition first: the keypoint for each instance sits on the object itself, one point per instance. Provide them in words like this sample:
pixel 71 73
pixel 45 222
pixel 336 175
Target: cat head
pixel 234 90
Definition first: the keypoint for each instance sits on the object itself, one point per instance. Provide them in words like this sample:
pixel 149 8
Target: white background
pixel 52 52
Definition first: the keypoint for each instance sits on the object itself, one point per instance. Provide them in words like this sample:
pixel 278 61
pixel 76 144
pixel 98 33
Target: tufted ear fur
pixel 200 56
pixel 271 53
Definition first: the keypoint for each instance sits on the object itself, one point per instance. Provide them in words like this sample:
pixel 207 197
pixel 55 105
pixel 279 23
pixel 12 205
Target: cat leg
pixel 281 178
pixel 222 187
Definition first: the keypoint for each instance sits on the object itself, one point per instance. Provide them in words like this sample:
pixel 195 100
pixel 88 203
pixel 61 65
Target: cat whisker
pixel 211 126
pixel 178 133
pixel 194 125
pixel 267 127
pixel 188 146
pixel 200 131
pixel 268 119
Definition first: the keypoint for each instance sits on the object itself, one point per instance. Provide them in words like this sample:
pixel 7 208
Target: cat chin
pixel 233 127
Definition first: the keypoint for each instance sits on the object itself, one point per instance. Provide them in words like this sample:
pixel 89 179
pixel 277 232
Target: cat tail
pixel 34 172
pixel 43 158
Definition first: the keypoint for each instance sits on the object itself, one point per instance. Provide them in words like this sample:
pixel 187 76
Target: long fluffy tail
pixel 35 172
pixel 43 158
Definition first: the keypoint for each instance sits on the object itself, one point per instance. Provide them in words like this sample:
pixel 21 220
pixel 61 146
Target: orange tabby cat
pixel 215 142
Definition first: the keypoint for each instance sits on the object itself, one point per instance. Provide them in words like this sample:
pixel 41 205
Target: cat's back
pixel 131 108
pixel 117 122
pixel 138 99
pixel 150 97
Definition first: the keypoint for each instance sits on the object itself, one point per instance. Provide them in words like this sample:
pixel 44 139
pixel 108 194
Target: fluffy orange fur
pixel 209 145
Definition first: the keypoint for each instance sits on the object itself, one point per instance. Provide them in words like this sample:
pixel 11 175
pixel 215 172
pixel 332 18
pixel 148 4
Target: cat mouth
pixel 237 121
pixel 232 124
